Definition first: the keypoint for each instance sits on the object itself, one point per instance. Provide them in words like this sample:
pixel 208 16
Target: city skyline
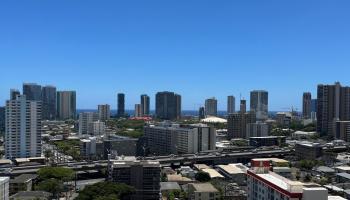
pixel 221 106
pixel 99 50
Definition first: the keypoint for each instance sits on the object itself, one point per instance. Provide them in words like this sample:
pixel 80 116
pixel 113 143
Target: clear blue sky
pixel 197 48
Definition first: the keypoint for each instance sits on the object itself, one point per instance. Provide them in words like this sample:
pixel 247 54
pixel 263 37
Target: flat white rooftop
pixel 213 173
pixel 335 198
pixel 283 183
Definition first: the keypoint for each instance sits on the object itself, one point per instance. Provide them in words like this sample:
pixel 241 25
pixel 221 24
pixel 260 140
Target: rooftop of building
pixel 5 161
pixel 21 160
pixel 201 166
pixel 304 133
pixel 335 198
pixel 23 178
pixel 177 178
pixel 268 137
pixel 289 114
pixel 325 169
pixel 309 144
pixel 334 188
pixel 213 173
pixel 213 119
pixel 274 160
pixel 344 168
pixel 282 182
pixel 344 175
pixel 29 195
pixel 169 186
pixel 282 169
pixel 203 187
pixel 233 168
pixel 128 163
pixel 4 179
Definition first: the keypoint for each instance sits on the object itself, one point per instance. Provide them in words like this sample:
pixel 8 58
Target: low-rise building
pixel 235 172
pixel 343 169
pixel 284 119
pixel 306 150
pixel 336 198
pixel 30 195
pixel 278 162
pixel 187 171
pixel 121 145
pixel 167 187
pixel 343 178
pixel 343 158
pixel 143 175
pixel 91 148
pixel 264 184
pixel 4 188
pixel 179 179
pixel 267 141
pixel 22 182
pixel 201 166
pixel 283 171
pixel 301 135
pixel 213 173
pixel 325 171
pixel 202 191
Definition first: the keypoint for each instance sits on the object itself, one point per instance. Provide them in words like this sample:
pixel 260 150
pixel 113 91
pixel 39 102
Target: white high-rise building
pixel 22 128
pixel 104 112
pixel 168 139
pixel 98 128
pixel 85 122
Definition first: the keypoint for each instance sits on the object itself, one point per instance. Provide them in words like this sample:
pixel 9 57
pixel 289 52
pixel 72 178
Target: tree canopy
pixel 60 173
pixel 53 186
pixel 202 177
pixel 104 191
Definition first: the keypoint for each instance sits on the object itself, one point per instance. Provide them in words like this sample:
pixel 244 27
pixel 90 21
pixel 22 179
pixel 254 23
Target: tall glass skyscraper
pixel 145 105
pixel 49 102
pixel 211 107
pixel 66 105
pixel 168 105
pixel 121 105
pixel 231 104
pixel 32 91
pixel 259 101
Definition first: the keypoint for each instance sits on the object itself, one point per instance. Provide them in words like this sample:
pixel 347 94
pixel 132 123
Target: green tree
pixel 105 191
pixel 53 186
pixel 240 143
pixel 309 164
pixel 202 177
pixel 307 178
pixel 60 173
